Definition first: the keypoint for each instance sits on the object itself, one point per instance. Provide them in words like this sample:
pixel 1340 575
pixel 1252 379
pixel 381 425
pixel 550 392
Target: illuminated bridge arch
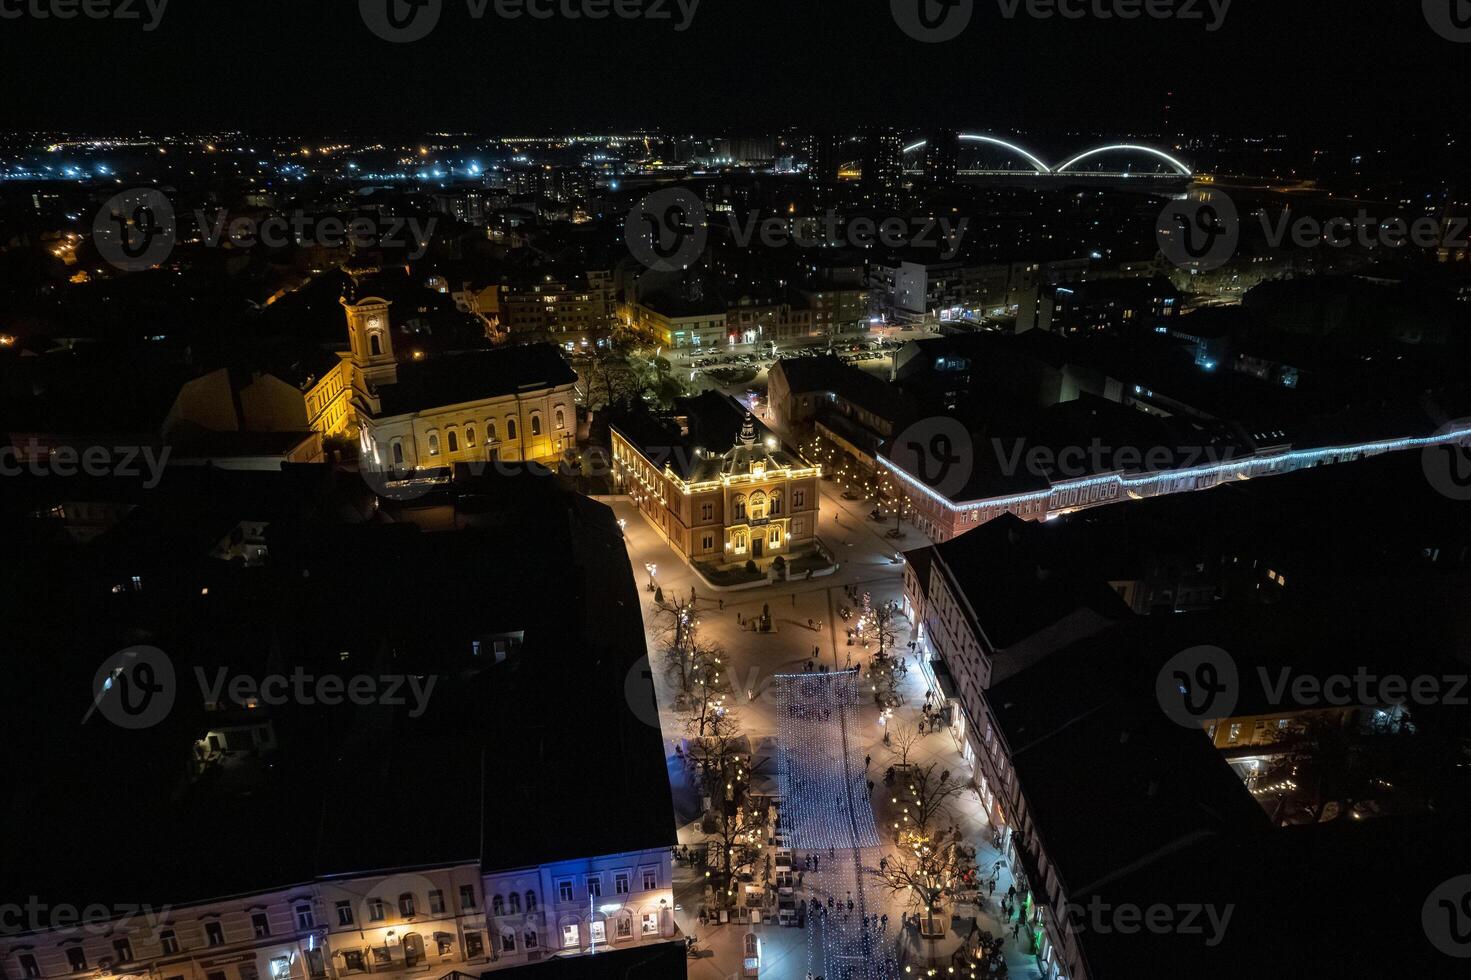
pixel 1179 167
pixel 1037 164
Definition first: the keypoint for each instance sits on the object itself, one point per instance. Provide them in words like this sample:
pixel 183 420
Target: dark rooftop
pixel 450 379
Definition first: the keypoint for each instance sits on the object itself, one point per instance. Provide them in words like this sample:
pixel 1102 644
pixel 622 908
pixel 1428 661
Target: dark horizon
pixel 270 66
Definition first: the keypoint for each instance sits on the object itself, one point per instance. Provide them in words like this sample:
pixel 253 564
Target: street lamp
pixel 653 569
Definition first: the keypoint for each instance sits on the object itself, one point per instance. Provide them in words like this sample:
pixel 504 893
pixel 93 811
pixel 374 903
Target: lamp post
pixel 653 569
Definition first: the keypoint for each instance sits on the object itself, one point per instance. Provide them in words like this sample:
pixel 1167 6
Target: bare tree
pixel 923 798
pixel 733 822
pixel 903 739
pixel 924 870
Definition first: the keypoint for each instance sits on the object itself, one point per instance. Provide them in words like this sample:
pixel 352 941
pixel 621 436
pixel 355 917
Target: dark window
pixel 28 966
pixel 260 925
pixel 77 958
pixel 531 901
pixel 473 946
pixel 344 913
pixel 436 902
pixel 406 906
pixel 377 912
pixel 124 950
pixel 169 941
pixel 214 934
pixel 467 896
pixel 510 428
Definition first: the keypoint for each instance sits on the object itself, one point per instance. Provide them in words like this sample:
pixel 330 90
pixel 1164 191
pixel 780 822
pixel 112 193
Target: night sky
pixel 313 67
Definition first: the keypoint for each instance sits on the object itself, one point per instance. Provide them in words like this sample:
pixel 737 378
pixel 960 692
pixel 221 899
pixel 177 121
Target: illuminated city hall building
pixel 720 487
pixel 514 403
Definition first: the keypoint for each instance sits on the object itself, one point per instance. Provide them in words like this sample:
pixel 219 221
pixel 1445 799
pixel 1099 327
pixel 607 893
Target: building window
pixel 599 931
pixel 535 424
pixel 467 896
pixel 406 906
pixel 304 918
pixel 740 542
pixel 740 508
pixel 570 937
pixel 454 441
pixel 510 429
pixel 474 947
pixel 490 430
pixel 434 444
pixel 470 435
pixel 214 934
pixel 651 924
pixel 375 345
pixel 280 968
pixel 513 901
pixel 124 950
pixel 758 505
pixel 531 901
pixel 497 906
pixel 29 967
pixel 76 957
pixel 168 942
pixel 564 889
pixel 799 498
pixel 775 504
pixel 531 939
pixel 797 526
pixel 344 913
pixel 561 417
pixel 595 886
pixel 260 925
pixel 620 882
pixel 707 542
pixel 398 452
pixel 651 879
pixel 774 538
pixel 377 911
pixel 707 512
pixel 436 902
pixel 352 960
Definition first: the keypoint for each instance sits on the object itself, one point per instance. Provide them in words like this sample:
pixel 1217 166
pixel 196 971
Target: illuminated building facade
pixel 513 403
pixel 755 500
pixel 399 923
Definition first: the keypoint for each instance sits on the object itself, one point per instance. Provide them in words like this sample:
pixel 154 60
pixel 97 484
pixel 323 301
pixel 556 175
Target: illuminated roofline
pixel 1183 170
pixel 1241 464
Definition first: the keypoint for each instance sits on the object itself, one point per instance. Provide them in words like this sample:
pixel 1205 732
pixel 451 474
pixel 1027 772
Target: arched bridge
pixel 1067 168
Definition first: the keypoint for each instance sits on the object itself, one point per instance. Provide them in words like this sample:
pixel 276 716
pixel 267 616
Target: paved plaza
pixel 809 633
